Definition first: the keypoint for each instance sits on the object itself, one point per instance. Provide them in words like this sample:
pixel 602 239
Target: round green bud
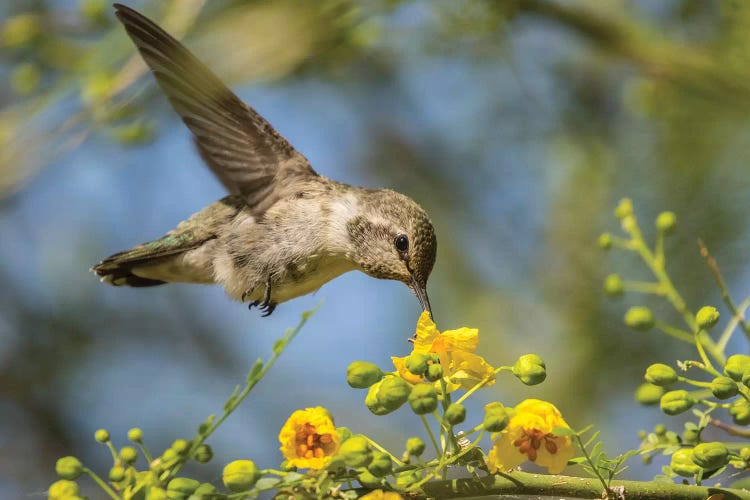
pixel 613 285
pixel 605 241
pixel 362 374
pixel 642 435
pixel 407 478
pixel 455 413
pixel 168 455
pixel 496 417
pixel 380 465
pixel 117 473
pixel 682 463
pixel 180 446
pixel 710 456
pixel 135 435
pixel 368 480
pixel 415 446
pixel 739 410
pixel 417 363
pixel 203 454
pixel 102 435
pixel 660 429
pixel 628 223
pixel 639 318
pixel 205 490
pixel 661 375
pixel 128 454
pixel 393 392
pixel 156 493
pixel 356 451
pixel 745 453
pixel 20 30
pixel 737 366
pixel 286 467
pixel 707 317
pixel 434 372
pixel 240 475
pixel 530 369
pixel 182 486
pixel 423 399
pixel 724 387
pixel 676 402
pixel 691 436
pixel 63 489
pixel 69 468
pixel 648 394
pixel 344 433
pixel 373 403
pixel 624 208
pixel 666 222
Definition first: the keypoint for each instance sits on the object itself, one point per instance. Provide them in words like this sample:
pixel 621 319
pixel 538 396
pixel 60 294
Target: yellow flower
pixel 455 348
pixel 529 437
pixel 382 495
pixel 309 438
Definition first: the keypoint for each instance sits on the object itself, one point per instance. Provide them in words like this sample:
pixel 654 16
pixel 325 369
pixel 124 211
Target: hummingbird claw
pixel 252 304
pixel 267 310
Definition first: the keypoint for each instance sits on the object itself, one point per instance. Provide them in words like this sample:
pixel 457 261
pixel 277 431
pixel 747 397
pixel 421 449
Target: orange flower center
pixel 532 440
pixel 310 444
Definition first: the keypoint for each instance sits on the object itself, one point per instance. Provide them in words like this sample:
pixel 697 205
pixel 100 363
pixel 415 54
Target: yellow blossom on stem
pixel 455 348
pixel 382 495
pixel 309 438
pixel 529 437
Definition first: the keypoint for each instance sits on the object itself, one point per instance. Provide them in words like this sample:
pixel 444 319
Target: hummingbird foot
pixel 265 306
pixel 248 293
pixel 267 310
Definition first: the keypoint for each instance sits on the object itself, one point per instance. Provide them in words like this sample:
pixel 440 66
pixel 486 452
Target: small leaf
pixel 267 483
pixel 577 460
pixel 592 439
pixel 292 477
pixel 255 370
pixel 280 345
pixel 230 402
pixel 563 431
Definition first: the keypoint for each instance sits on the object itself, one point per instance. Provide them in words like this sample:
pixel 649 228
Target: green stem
pixel 726 335
pixel 432 436
pixel 483 382
pixel 696 383
pixel 109 491
pixel 725 295
pixel 643 287
pixel 380 448
pixel 677 333
pixel 593 466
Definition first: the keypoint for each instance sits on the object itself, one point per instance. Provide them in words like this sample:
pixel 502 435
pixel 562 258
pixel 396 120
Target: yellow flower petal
pixel 400 364
pixel 426 333
pixel 467 369
pixel 382 495
pixel 309 438
pixel 461 339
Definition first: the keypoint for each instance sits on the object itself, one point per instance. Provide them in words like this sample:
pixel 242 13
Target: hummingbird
pixel 284 230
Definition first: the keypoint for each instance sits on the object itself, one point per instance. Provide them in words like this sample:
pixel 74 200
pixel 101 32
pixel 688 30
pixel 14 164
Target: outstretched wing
pixel 242 149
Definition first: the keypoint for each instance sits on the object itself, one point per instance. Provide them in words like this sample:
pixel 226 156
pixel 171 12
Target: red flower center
pixel 310 444
pixel 532 440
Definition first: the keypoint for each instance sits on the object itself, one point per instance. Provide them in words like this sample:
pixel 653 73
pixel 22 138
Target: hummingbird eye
pixel 401 243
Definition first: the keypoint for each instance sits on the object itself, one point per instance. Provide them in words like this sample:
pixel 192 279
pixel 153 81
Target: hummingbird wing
pixel 243 150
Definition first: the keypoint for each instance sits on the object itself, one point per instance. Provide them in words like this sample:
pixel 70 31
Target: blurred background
pixel 517 124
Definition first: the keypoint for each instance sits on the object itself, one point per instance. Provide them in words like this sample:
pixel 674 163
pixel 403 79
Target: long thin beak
pixel 421 293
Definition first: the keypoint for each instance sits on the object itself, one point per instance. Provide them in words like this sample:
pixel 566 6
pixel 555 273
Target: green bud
pixel 381 464
pixel 624 208
pixel 203 454
pixel 25 78
pixel 495 417
pixel 640 318
pixel 63 489
pixel 20 30
pixel 628 223
pixel 745 453
pixel 434 372
pixel 407 478
pixel 168 455
pixel 128 454
pixel 737 366
pixel 613 285
pixel 69 468
pixel 240 475
pixel 455 414
pixel 344 433
pixel 648 394
pixel 660 429
pixel 117 473
pixel 205 490
pixel 417 363
pixel 362 374
pixel 710 456
pixel 102 435
pixel 387 395
pixel 182 486
pixel 707 317
pixel 368 480
pixel 373 403
pixel 156 493
pixel 661 375
pixel 135 435
pixel 415 446
pixel 724 387
pixel 356 451
pixel 423 399
pixel 676 402
pixel 286 467
pixel 739 410
pixel 692 436
pixel 642 435
pixel 180 446
pixel 665 222
pixel 530 369
pixel 682 463
pixel 605 241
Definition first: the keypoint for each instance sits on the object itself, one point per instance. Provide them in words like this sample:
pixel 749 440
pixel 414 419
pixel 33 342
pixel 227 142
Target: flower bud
pixel 69 468
pixel 682 463
pixel 624 208
pixel 628 223
pixel 691 436
pixel 676 402
pixel 666 222
pixel 495 417
pixel 745 453
pixel 168 455
pixel 455 413
pixel 724 387
pixel 661 375
pixel 423 399
pixel 707 317
pixel 407 478
pixel 240 475
pixel 102 435
pixel 181 486
pixel 660 429
pixel 415 446
pixel 156 493
pixel 128 454
pixel 203 454
pixel 605 241
pixel 648 394
pixel 739 410
pixel 362 374
pixel 613 285
pixel 205 490
pixel 639 318
pixel 135 435
pixel 434 372
pixel 530 369
pixel 344 433
pixel 381 464
pixel 62 490
pixel 356 451
pixel 180 446
pixel 417 363
pixel 737 366
pixel 287 467
pixel 710 456
pixel 387 395
pixel 642 435
pixel 368 480
pixel 117 473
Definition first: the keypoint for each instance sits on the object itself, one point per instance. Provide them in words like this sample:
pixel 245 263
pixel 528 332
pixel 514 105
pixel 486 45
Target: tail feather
pixel 116 273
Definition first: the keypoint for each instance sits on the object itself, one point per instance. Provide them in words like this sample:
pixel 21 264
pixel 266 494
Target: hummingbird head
pixel 393 238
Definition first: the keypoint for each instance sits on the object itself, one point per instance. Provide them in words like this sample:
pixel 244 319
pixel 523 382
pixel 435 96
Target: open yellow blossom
pixel 529 437
pixel 309 438
pixel 455 348
pixel 382 495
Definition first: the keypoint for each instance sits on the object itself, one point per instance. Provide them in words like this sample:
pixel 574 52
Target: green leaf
pixel 563 431
pixel 292 477
pixel 577 460
pixel 592 439
pixel 267 483
pixel 254 371
pixel 230 402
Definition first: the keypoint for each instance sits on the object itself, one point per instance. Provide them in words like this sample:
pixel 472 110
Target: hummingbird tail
pixel 116 275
